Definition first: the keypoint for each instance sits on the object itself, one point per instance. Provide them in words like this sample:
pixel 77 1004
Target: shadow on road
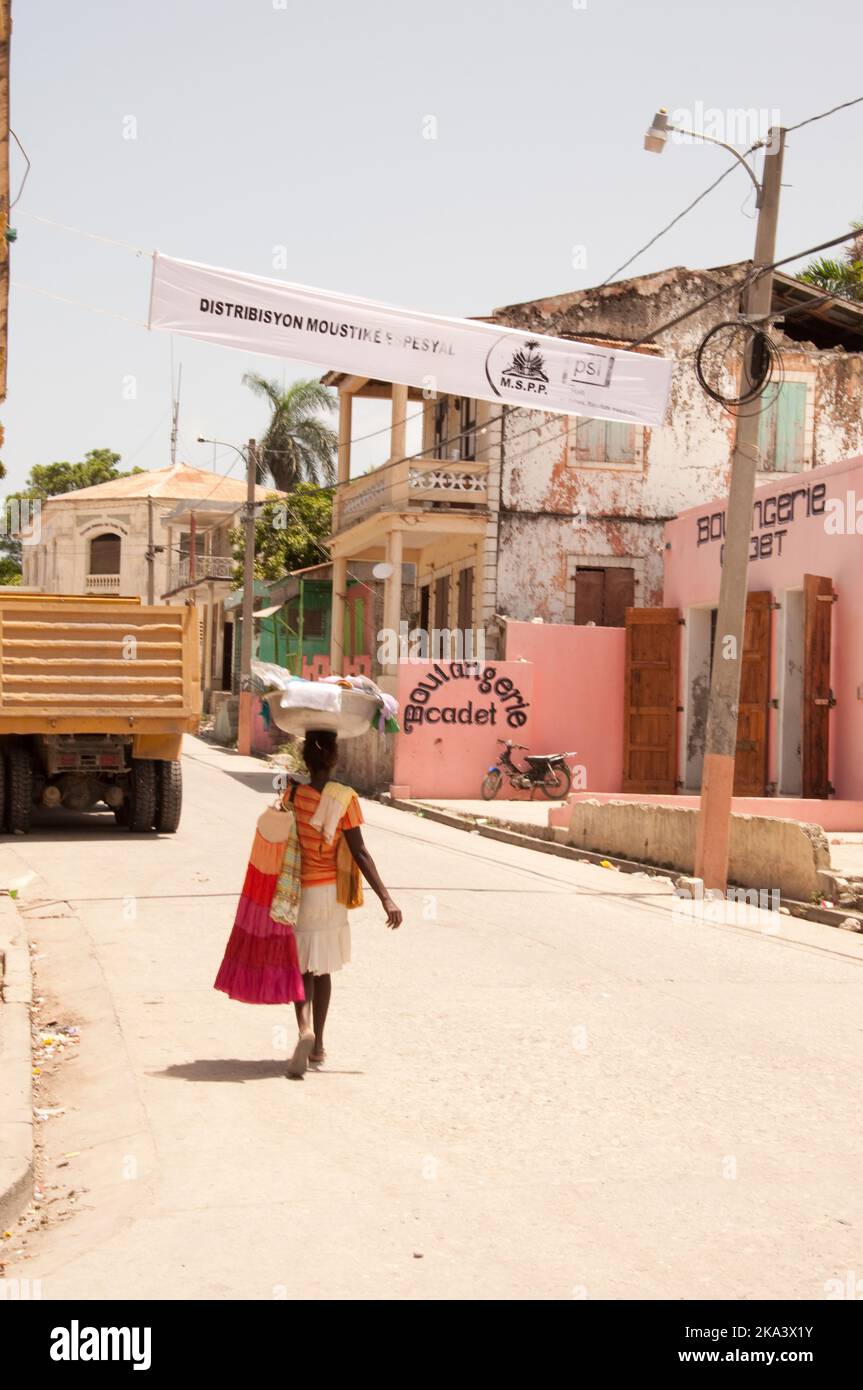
pixel 236 1070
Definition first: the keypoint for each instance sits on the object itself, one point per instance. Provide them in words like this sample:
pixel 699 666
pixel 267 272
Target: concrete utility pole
pixel 244 723
pixel 5 39
pixel 151 555
pixel 713 832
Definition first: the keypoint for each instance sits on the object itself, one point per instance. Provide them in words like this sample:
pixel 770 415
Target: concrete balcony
pixel 103 583
pixel 206 567
pixel 419 484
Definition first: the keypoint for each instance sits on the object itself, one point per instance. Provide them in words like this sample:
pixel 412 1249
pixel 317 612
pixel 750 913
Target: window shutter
pixel 767 430
pixel 589 440
pixel 589 596
pixel 619 595
pixel 619 442
pixel 790 423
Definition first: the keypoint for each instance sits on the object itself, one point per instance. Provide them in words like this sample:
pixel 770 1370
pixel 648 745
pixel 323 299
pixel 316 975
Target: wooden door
pixel 650 700
pixel 817 696
pixel 750 759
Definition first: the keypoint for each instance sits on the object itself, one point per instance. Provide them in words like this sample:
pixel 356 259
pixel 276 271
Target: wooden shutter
pixel 781 428
pixel 619 442
pixel 750 759
pixel 790 426
pixel 650 700
pixel 441 602
pixel 425 596
pixel 465 599
pixel 589 596
pixel 817 695
pixel 589 440
pixel 619 595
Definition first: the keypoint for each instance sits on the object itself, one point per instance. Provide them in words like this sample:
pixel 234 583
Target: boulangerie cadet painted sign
pixel 364 338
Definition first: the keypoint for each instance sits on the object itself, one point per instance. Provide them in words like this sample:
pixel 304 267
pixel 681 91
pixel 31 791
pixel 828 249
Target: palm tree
pixel 297 446
pixel 844 277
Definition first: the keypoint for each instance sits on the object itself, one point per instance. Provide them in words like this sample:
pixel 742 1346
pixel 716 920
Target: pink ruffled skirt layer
pixel 260 965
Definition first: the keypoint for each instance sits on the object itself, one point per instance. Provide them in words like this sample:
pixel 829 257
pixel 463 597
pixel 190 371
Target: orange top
pixel 317 858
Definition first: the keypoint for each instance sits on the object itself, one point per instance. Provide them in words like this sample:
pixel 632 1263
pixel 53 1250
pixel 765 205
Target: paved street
pixel 542 1087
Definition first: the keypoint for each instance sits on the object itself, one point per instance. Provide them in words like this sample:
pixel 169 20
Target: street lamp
pixel 720 743
pixel 249 455
pixel 656 137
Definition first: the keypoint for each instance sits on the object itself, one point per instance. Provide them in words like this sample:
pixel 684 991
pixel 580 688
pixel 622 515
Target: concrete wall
pixel 366 763
pixel 577 694
pixel 765 853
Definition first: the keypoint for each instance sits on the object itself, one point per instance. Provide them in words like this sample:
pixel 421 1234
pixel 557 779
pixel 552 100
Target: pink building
pixel 801 706
pixel 633 700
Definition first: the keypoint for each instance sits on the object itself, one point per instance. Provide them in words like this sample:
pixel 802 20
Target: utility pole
pixel 151 555
pixel 175 415
pixel 244 723
pixel 713 831
pixel 5 39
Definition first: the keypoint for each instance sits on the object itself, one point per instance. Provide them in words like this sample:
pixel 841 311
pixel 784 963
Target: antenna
pixel 175 413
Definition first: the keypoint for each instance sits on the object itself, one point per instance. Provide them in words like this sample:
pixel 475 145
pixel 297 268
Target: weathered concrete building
pixel 583 502
pixel 534 515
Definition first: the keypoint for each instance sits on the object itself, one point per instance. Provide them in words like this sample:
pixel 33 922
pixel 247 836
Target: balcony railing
pixel 414 484
pixel 103 583
pixel 206 567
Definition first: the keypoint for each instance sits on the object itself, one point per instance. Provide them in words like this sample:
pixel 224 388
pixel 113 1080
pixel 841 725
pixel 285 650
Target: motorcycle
pixel 548 771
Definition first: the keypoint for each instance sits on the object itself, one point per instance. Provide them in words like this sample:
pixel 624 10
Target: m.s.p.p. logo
pixel 527 370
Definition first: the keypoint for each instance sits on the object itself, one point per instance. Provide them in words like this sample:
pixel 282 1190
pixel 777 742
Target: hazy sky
pixel 268 124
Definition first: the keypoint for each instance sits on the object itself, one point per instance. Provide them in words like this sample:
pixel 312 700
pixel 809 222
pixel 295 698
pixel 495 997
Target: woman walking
pixel 332 857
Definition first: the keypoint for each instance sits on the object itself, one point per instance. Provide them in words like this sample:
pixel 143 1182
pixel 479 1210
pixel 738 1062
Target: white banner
pixel 363 338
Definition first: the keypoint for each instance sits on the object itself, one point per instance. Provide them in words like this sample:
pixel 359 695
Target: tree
pixel 298 445
pixel 842 277
pixel 49 480
pixel 288 534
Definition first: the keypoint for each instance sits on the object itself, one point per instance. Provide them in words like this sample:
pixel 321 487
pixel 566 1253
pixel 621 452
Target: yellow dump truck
pixel 95 696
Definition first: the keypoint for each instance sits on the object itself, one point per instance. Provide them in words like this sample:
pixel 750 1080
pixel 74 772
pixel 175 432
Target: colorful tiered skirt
pixel 260 965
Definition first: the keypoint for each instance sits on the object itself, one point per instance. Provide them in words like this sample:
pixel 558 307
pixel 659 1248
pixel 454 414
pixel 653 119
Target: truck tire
pixel 169 796
pixel 20 789
pixel 141 803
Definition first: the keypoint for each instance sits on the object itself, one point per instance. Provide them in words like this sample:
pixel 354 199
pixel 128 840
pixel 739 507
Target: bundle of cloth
pixel 386 717
pixel 348 705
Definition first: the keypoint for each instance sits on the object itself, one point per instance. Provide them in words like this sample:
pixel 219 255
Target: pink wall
pixel 570 677
pixel 451 721
pixel 795 535
pixel 578 693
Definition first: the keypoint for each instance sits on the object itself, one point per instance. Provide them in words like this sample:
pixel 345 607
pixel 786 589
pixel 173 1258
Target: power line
pixel 672 223
pixel 820 117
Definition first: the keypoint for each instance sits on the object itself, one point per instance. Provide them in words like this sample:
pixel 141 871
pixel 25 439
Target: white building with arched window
pixel 97 541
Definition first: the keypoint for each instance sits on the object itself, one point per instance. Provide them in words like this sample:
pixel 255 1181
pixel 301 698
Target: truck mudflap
pixel 165 747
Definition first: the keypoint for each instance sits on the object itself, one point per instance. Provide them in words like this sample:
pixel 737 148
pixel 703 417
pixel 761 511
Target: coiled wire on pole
pixel 719 353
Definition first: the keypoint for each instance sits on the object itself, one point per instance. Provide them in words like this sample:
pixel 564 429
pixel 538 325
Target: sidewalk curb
pixel 16 1066
pixel 541 838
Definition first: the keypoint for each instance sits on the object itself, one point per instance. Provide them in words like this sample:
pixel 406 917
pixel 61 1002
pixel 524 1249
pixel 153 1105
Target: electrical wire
pixel 26 171
pixel 672 223
pixel 820 117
